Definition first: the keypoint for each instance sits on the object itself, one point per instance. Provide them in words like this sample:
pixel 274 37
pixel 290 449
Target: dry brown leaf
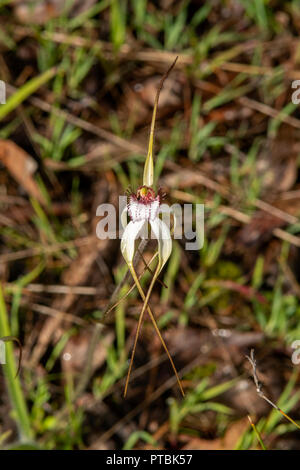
pixel 169 95
pixel 37 12
pixel 75 351
pixel 277 162
pixel 21 166
pixel 228 442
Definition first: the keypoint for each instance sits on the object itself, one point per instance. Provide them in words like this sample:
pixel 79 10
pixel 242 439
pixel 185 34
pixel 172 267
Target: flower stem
pixel 13 383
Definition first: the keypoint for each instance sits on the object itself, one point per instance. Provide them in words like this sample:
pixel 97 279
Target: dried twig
pixel 258 385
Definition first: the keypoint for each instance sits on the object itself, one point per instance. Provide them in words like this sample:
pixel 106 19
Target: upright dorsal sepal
pixel 148 169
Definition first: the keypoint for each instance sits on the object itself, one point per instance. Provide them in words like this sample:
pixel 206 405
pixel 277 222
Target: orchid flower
pixel 144 208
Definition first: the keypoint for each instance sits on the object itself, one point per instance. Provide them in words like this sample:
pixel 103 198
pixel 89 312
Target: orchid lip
pixel 144 208
pixel 144 205
pixel 143 211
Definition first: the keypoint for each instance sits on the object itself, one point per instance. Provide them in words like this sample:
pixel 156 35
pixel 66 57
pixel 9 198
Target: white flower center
pixel 143 211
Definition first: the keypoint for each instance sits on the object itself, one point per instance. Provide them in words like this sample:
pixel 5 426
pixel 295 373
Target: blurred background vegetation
pixel 81 79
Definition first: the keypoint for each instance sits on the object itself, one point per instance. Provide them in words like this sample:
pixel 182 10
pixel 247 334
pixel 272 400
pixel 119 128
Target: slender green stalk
pixel 25 91
pixel 257 434
pixel 12 382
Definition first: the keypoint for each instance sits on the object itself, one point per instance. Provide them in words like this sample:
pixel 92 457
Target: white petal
pixel 154 209
pixel 163 235
pixel 124 217
pixel 130 234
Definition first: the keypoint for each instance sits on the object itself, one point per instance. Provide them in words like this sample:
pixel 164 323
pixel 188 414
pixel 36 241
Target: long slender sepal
pixel 146 300
pixel 147 267
pixel 148 169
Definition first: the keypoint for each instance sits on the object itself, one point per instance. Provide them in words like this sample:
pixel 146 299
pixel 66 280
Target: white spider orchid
pixel 144 208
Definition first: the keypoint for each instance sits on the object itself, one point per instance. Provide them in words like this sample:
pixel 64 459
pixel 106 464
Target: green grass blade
pixel 13 383
pixel 25 91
